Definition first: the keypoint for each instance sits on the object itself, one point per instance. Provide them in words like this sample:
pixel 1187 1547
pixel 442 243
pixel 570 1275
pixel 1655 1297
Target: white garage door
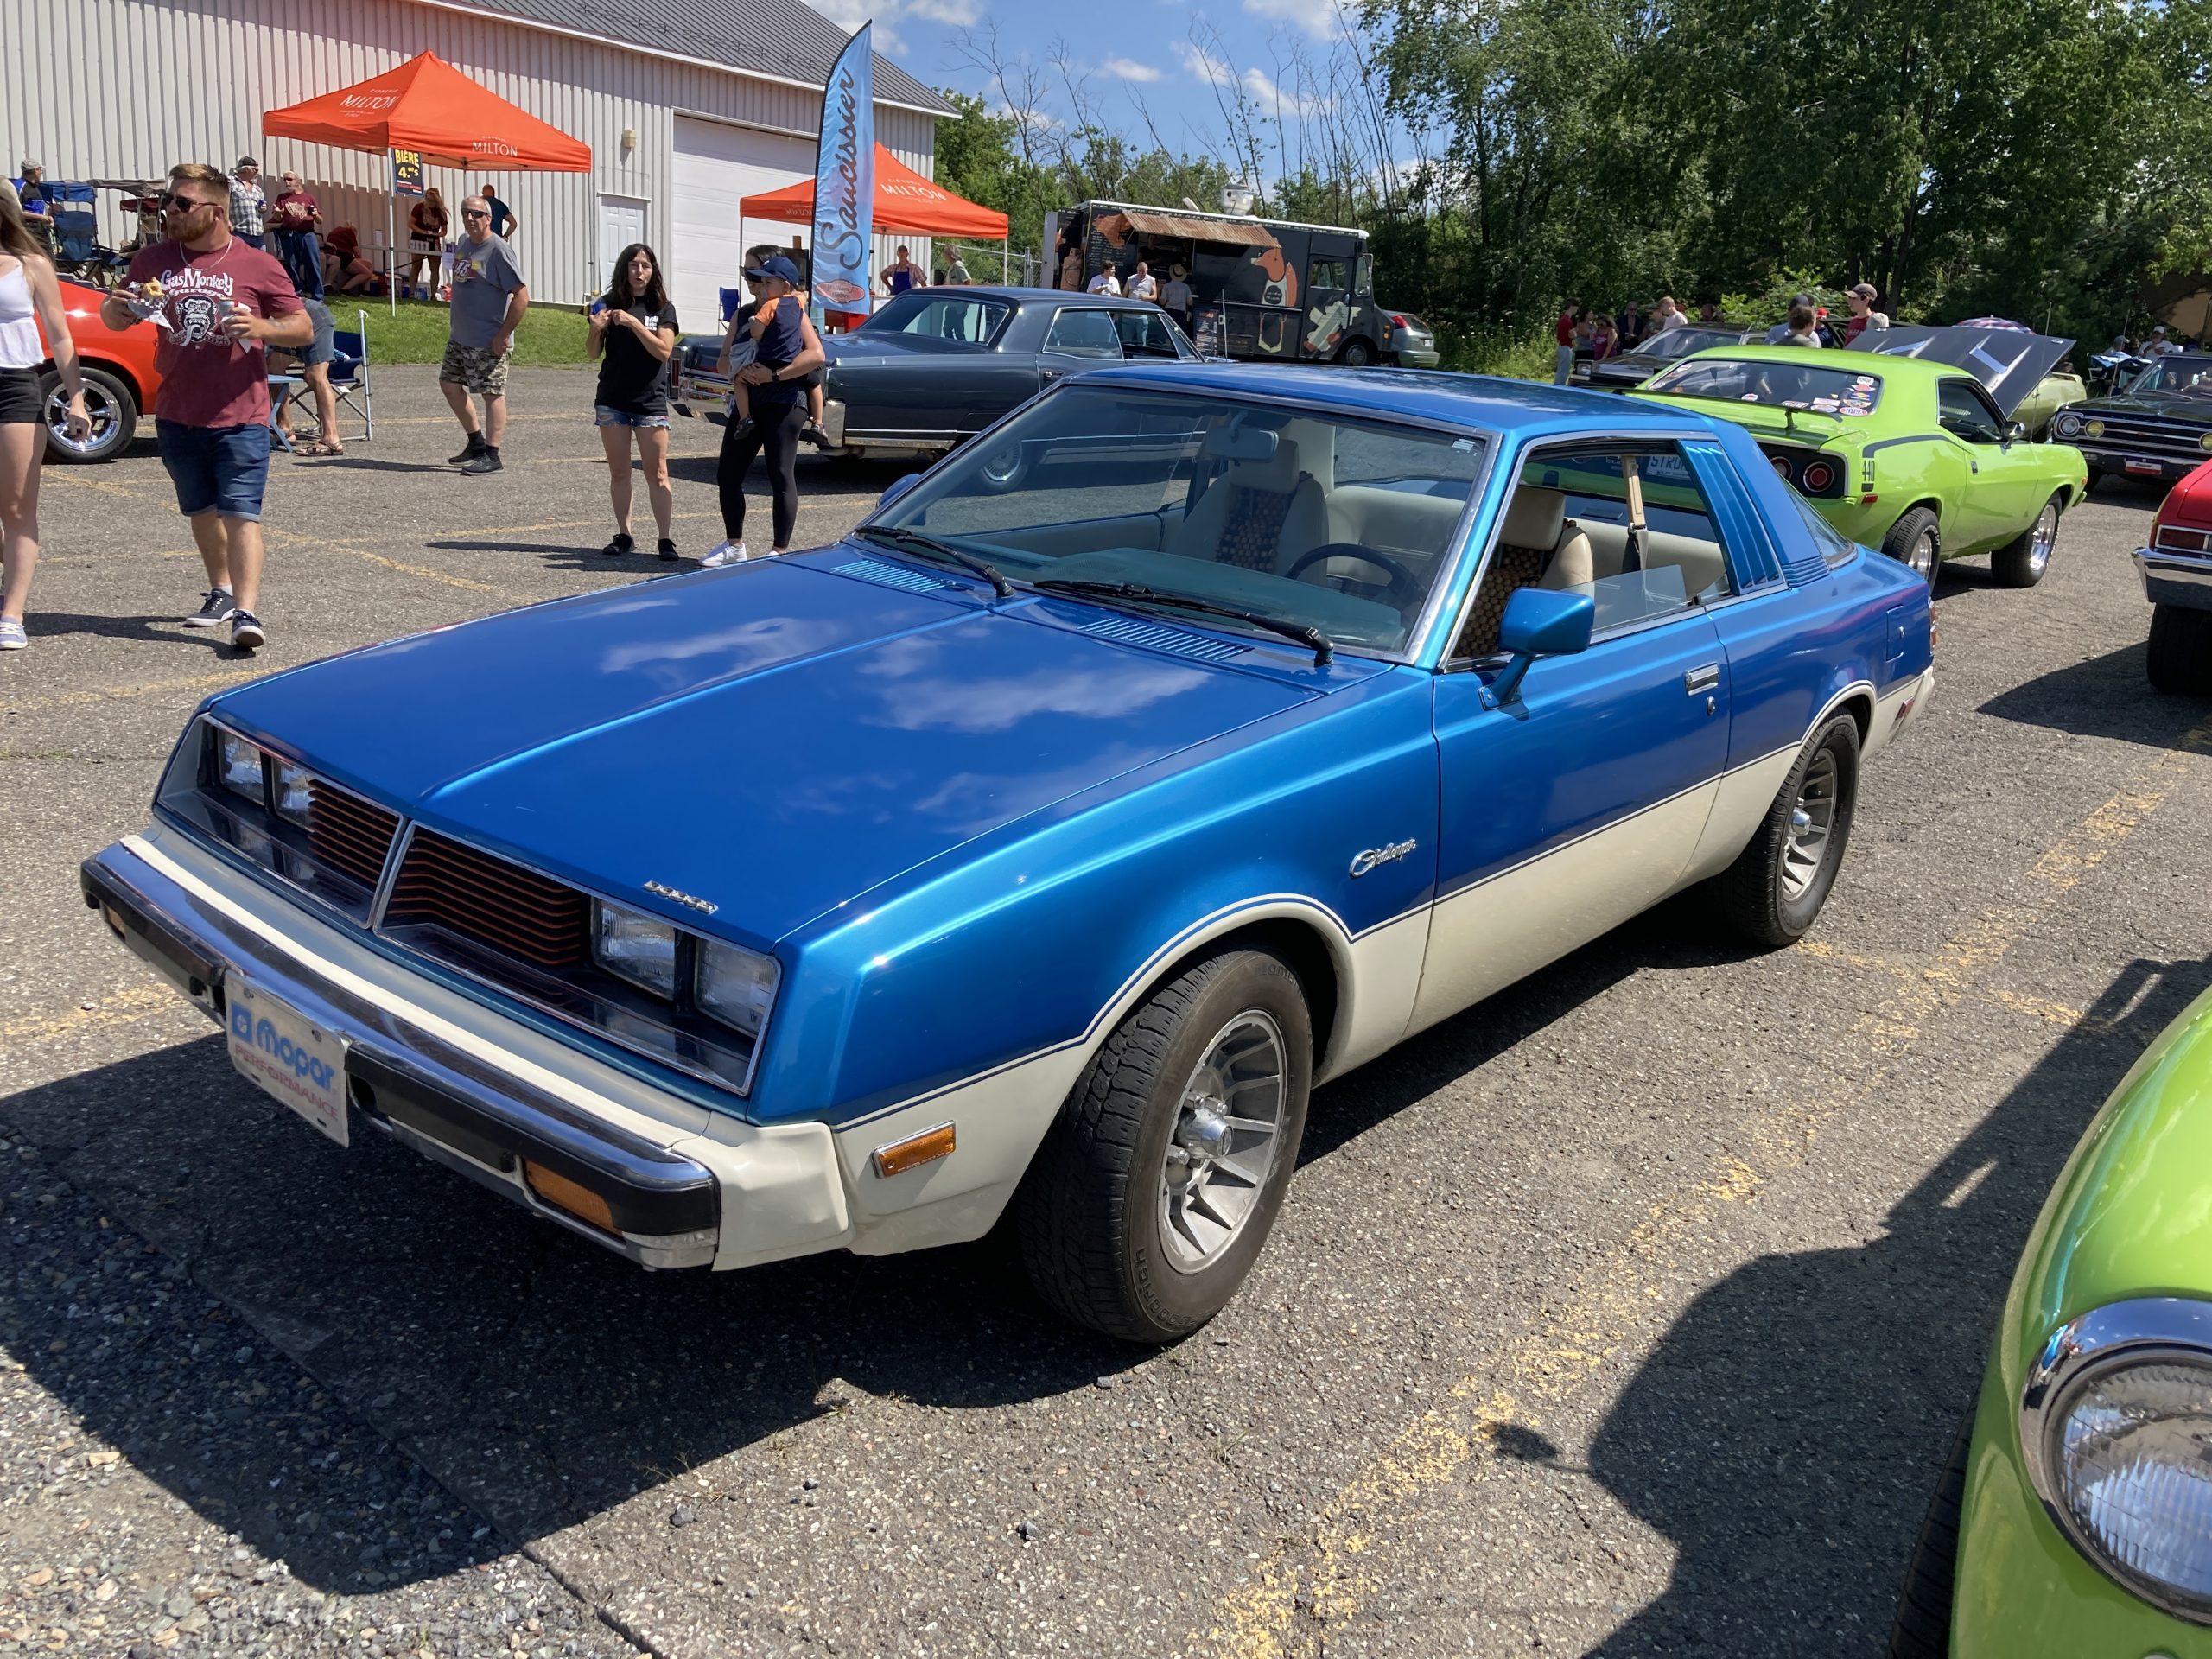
pixel 717 167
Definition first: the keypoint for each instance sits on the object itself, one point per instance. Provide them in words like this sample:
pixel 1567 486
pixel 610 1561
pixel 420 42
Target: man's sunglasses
pixel 467 214
pixel 182 204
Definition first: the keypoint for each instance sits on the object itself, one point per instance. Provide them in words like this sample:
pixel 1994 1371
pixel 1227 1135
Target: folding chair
pixel 349 379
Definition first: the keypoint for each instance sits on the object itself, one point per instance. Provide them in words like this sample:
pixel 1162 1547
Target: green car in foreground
pixel 1907 455
pixel 2085 1525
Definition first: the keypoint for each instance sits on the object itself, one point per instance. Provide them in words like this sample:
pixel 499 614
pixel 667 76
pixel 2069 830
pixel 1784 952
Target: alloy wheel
pixel 1227 1137
pixel 97 404
pixel 1812 819
pixel 2043 538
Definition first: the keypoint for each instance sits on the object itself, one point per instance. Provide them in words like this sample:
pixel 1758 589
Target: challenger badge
pixel 1374 857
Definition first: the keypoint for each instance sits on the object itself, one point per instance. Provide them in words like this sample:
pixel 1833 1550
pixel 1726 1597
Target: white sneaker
pixel 727 553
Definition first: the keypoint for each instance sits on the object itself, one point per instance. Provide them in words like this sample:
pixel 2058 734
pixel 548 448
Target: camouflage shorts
pixel 480 368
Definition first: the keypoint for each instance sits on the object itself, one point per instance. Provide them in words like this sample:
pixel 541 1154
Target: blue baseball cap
pixel 778 267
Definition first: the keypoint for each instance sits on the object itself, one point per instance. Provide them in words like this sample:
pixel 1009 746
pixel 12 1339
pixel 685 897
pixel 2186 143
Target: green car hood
pixel 2132 1213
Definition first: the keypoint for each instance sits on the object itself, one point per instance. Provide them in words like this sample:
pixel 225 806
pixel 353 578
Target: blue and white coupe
pixel 1188 739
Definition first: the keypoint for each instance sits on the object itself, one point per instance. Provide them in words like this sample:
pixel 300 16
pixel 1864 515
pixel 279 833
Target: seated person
pixel 344 270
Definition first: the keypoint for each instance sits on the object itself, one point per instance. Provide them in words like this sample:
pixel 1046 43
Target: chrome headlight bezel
pixel 2094 1347
pixel 2068 426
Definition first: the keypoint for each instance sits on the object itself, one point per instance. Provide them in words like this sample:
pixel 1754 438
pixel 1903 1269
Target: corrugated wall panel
pixel 125 88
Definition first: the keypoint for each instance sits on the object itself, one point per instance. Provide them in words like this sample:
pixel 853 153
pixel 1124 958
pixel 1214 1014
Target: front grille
pixel 348 833
pixel 2146 435
pixel 442 883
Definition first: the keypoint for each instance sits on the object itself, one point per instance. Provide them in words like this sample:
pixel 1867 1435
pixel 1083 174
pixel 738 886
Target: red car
pixel 2177 571
pixel 119 378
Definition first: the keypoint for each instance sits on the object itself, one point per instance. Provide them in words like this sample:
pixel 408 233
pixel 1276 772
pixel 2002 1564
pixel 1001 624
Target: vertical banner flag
pixel 844 179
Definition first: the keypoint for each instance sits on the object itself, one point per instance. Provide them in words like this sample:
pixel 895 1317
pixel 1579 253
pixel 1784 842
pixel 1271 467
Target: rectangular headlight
pixel 292 792
pixel 736 986
pixel 633 945
pixel 238 766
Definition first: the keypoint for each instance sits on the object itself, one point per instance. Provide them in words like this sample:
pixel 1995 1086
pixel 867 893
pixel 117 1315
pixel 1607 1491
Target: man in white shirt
pixel 1104 282
pixel 1668 316
pixel 1141 285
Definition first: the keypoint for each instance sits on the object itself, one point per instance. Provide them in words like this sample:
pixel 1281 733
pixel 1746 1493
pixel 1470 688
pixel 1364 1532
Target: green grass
pixel 418 333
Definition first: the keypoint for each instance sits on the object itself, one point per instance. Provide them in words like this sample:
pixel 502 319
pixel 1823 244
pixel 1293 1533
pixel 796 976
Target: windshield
pixel 1680 342
pixel 2177 374
pixel 1333 524
pixel 965 317
pixel 1777 384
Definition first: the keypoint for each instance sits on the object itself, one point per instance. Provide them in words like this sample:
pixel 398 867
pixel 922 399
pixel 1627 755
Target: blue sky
pixel 1128 57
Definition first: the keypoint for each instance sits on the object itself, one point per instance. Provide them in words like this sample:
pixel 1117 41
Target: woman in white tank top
pixel 29 296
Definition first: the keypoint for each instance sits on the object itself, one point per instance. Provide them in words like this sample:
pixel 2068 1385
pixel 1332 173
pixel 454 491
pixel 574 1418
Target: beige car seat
pixel 1259 515
pixel 1538 546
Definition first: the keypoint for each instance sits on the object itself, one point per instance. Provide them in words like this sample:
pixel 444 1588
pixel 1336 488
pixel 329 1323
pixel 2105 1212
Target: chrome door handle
pixel 1697 682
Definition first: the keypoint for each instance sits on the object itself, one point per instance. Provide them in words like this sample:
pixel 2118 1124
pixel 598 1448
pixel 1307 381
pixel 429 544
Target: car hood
pixel 2009 362
pixel 2163 405
pixel 775 738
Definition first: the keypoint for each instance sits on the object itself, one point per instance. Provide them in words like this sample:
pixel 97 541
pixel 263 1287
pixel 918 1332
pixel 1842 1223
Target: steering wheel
pixel 1404 587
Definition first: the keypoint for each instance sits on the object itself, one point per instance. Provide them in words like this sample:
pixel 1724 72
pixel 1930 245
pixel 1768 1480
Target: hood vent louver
pixel 889 576
pixel 1158 635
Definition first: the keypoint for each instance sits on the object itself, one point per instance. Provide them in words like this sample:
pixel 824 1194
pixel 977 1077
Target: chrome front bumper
pixel 2172 578
pixel 429 1091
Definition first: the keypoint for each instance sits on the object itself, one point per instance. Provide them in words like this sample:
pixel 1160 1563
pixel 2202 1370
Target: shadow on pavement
pixel 369 464
pixel 2105 697
pixel 1799 1410
pixel 168 629
pixel 541 1380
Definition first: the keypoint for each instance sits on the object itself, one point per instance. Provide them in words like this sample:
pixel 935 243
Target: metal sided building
pixel 687 105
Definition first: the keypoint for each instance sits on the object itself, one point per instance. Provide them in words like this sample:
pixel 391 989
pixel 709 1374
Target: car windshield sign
pixel 1813 386
pixel 1315 526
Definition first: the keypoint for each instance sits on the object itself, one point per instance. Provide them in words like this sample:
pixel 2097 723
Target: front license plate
pixel 301 1063
pixel 2147 468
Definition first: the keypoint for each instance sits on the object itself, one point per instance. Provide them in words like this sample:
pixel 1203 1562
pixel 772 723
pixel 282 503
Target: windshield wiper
pixel 1312 638
pixel 912 541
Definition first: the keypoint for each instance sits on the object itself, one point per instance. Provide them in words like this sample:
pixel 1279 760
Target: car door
pixel 1078 337
pixel 1583 801
pixel 1327 302
pixel 1995 505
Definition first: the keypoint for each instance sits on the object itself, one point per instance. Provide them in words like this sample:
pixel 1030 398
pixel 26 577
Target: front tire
pixel 107 400
pixel 1774 890
pixel 2180 658
pixel 1356 354
pixel 2022 560
pixel 1915 543
pixel 1923 1626
pixel 1156 1186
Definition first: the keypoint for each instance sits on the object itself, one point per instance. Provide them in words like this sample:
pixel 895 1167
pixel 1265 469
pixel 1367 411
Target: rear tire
pixel 109 401
pixel 1915 543
pixel 1774 890
pixel 1922 1627
pixel 1145 1206
pixel 2180 658
pixel 2022 560
pixel 1356 354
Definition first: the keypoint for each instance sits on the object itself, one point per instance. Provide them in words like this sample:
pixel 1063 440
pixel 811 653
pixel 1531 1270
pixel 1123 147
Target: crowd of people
pixel 1583 331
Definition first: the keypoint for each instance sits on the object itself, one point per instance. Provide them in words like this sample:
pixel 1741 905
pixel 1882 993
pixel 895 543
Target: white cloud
pixel 1319 18
pixel 1129 69
pixel 954 14
pixel 1202 64
pixel 1273 103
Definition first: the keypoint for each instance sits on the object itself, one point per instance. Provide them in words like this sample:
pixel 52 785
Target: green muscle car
pixel 1913 457
pixel 2079 1523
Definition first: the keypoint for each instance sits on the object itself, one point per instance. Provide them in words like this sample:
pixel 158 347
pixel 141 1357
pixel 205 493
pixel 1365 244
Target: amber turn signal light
pixel 913 1152
pixel 579 1201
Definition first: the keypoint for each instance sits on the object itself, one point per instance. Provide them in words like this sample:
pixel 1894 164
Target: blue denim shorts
pixel 219 469
pixel 604 415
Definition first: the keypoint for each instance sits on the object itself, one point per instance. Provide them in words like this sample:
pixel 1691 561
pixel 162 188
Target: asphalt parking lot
pixel 1630 1313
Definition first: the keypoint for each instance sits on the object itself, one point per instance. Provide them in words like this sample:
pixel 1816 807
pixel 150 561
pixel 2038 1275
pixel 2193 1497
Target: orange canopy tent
pixel 427 105
pixel 904 200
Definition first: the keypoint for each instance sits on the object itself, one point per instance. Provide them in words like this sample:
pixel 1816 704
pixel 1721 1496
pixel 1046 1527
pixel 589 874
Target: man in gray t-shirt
pixel 489 297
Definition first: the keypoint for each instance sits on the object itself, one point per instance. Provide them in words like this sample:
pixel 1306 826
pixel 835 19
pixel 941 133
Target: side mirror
pixel 2016 432
pixel 896 487
pixel 1540 623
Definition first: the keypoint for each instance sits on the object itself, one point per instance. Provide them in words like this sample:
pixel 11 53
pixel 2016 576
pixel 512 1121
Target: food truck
pixel 1268 289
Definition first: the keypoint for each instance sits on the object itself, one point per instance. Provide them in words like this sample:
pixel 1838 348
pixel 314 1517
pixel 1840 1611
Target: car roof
pixel 1530 407
pixel 1034 295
